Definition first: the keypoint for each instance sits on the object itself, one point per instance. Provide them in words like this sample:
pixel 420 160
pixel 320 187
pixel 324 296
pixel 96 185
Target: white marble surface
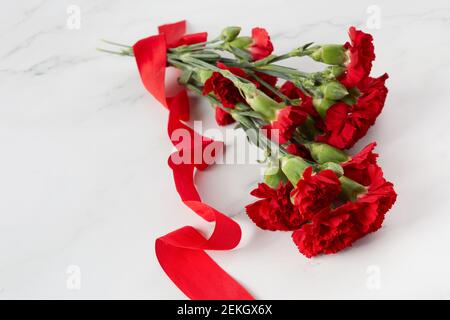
pixel 83 175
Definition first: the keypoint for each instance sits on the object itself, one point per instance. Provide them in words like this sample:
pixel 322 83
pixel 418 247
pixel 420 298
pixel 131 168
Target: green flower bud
pixel 273 176
pixel 241 42
pixel 204 75
pixel 293 168
pixel 336 168
pixel 333 54
pixel 351 189
pixel 333 90
pixel 259 101
pixel 322 105
pixel 322 153
pixel 317 55
pixel 230 33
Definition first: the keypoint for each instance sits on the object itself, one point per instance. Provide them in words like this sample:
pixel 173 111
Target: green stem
pixel 271 88
pixel 178 64
pixel 186 58
pixel 195 47
pixel 299 52
pixel 202 64
pixel 284 72
pixel 245 121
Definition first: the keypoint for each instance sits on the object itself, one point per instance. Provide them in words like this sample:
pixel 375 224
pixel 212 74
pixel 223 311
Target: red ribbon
pixel 181 253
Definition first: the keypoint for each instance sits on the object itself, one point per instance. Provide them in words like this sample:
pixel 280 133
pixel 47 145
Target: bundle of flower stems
pixel 304 121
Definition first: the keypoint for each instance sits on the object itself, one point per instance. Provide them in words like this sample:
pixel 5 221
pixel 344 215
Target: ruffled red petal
pixel 224 90
pixel 345 125
pixel 274 211
pixel 356 167
pixel 282 128
pixel 316 192
pixel 329 232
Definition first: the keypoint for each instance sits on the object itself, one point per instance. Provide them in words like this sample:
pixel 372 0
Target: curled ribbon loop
pixel 181 253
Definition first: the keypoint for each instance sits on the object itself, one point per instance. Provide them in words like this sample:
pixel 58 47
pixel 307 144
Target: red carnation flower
pixel 370 208
pixel 288 119
pixel 275 211
pixel 224 90
pixel 223 118
pixel 332 230
pixel 316 192
pixel 228 94
pixel 345 125
pixel 380 196
pixel 361 52
pixel 261 46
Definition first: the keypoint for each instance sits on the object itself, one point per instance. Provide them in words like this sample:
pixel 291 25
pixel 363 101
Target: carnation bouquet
pixel 304 122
